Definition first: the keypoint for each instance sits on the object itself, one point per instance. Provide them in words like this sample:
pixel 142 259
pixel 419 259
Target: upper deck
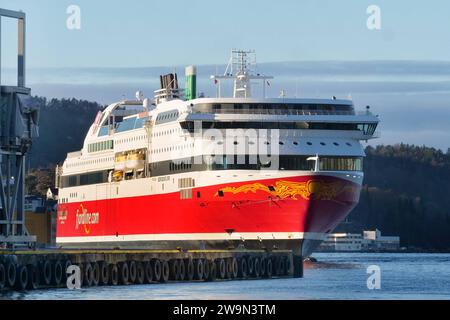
pixel 284 106
pixel 172 120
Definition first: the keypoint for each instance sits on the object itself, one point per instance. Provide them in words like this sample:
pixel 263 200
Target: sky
pixel 134 33
pixel 314 48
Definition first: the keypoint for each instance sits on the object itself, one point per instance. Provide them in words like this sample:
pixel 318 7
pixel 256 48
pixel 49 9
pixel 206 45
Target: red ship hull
pixel 287 213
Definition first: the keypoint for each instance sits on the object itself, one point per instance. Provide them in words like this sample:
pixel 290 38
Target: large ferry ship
pixel 185 172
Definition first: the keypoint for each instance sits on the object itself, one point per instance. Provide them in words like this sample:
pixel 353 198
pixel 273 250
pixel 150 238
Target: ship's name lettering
pixel 86 218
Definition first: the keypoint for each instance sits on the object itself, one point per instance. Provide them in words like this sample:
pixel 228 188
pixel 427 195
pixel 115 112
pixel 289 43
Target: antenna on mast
pixel 242 72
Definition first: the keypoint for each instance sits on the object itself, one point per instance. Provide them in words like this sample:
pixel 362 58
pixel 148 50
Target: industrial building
pixel 354 242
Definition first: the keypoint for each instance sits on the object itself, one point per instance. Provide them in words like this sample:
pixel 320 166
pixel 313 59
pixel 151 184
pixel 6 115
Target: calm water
pixel 336 276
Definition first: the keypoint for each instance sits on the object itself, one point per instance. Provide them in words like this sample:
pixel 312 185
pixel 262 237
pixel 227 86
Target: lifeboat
pixel 120 162
pixel 135 160
pixel 117 175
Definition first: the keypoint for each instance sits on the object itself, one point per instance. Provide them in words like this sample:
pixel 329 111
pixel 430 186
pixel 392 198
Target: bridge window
pixel 126 125
pixel 340 164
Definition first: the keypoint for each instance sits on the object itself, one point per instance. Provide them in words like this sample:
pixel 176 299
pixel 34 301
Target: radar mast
pixel 242 72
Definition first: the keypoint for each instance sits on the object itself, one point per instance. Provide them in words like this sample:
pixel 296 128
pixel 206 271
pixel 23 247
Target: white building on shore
pixel 343 242
pixel 373 240
pixel 368 241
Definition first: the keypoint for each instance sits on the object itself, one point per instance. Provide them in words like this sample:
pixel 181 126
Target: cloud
pixel 412 98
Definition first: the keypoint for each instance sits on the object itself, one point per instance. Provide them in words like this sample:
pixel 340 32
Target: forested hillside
pixel 406 193
pixel 63 125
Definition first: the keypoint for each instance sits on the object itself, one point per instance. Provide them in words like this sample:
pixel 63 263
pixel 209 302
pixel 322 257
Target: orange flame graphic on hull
pixel 311 189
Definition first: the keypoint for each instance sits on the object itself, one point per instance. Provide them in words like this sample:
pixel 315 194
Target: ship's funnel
pixel 169 81
pixel 191 82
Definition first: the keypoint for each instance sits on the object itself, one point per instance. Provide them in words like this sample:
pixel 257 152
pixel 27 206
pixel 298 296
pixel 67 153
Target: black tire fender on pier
pixel 140 273
pixel 243 268
pixel 33 277
pixel 133 271
pixel 212 271
pixel 95 274
pixel 229 265
pixel 199 269
pixel 46 273
pixel 257 267
pixel 282 271
pixel 124 273
pixel 269 268
pixel 157 270
pixel 113 274
pixel 22 278
pixel 221 268
pixel 263 266
pixel 277 266
pixel 250 266
pixel 11 274
pixel 57 274
pixel 148 272
pixel 164 271
pixel 189 270
pixel 67 263
pixel 234 268
pixel 104 273
pixel 2 276
pixel 174 269
pixel 88 275
pixel 182 268
pixel 206 269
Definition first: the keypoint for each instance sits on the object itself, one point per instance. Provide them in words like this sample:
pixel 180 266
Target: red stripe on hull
pixel 295 204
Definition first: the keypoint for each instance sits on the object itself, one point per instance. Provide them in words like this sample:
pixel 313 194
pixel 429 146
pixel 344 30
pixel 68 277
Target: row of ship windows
pixel 366 128
pixel 168 115
pixel 132 139
pixel 173 148
pixel 142 137
pixel 90 162
pixel 247 162
pixel 281 143
pixel 331 242
pixel 228 162
pixel 220 143
pixel 166 132
pixel 101 146
pixel 182 147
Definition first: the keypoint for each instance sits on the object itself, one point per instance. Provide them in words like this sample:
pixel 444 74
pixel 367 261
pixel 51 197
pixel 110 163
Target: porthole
pixel 295 143
pixel 349 144
pixel 309 143
pixel 281 143
pixel 336 144
pixel 323 143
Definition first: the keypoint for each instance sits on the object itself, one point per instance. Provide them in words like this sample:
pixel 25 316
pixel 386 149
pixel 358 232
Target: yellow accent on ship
pixel 121 157
pixel 117 175
pixel 136 156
